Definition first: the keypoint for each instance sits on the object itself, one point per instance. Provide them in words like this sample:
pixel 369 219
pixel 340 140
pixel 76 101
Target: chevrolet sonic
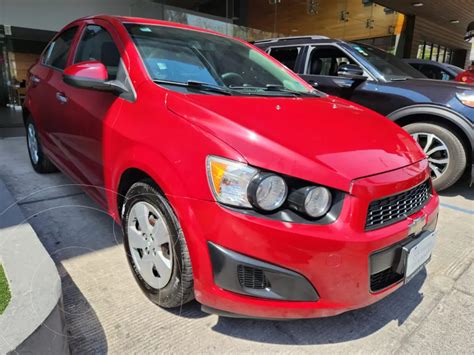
pixel 235 182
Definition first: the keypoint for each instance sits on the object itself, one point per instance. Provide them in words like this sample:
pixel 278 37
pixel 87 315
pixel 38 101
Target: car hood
pixel 431 87
pixel 324 140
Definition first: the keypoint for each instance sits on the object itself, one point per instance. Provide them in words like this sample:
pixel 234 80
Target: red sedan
pixel 466 76
pixel 236 183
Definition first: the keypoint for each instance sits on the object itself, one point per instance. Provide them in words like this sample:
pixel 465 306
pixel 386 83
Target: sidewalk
pixel 32 321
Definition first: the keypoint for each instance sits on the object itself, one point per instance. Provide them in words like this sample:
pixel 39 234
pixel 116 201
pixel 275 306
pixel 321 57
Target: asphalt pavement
pixel 106 311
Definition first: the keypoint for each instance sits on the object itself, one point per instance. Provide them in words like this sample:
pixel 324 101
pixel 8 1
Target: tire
pixel 179 288
pixel 444 175
pixel 40 162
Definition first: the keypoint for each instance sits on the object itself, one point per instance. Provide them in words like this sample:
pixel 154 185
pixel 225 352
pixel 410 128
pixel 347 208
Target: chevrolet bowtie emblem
pixel 416 226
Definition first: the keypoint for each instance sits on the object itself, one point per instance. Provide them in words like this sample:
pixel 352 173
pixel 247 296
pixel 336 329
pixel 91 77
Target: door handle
pixel 313 83
pixel 61 97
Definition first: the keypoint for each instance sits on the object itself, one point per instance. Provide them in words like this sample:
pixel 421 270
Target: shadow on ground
pixel 191 310
pixel 461 188
pixel 78 312
pixel 348 326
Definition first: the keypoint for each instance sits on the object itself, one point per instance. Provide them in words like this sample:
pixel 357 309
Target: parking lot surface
pixel 106 311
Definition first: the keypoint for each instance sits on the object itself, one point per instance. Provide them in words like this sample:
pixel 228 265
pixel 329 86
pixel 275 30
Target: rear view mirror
pixel 351 71
pixel 92 75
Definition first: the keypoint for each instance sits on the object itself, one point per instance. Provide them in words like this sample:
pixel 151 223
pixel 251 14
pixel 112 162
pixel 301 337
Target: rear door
pixel 290 56
pixel 45 84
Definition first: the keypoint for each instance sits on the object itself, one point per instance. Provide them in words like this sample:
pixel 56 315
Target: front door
pixel 89 112
pixel 322 67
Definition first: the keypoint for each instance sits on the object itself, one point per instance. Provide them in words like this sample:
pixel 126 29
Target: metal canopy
pixel 438 11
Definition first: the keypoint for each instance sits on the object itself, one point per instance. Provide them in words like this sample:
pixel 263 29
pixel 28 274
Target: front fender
pixel 160 170
pixel 174 159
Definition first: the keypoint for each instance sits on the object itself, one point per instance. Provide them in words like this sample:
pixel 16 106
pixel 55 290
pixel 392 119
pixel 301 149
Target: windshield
pixel 178 56
pixel 391 67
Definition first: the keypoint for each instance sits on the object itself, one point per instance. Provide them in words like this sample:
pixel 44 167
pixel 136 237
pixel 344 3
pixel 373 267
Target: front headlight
pixel 237 184
pixel 467 98
pixel 267 191
pixel 314 201
pixel 229 180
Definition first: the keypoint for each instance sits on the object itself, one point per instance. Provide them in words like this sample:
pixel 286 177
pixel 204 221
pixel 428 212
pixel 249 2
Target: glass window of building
pixel 434 52
pixel 441 54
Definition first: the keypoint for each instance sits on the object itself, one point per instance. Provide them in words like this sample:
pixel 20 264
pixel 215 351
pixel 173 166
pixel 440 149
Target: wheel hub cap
pixel 33 143
pixel 436 150
pixel 150 244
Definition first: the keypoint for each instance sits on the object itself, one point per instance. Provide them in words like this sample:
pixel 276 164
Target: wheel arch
pixel 441 116
pixel 25 113
pixel 127 179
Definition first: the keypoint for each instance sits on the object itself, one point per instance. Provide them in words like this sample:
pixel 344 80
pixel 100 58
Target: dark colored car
pixel 434 70
pixel 438 114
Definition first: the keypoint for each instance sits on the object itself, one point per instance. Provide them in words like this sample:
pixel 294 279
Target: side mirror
pixel 92 75
pixel 351 71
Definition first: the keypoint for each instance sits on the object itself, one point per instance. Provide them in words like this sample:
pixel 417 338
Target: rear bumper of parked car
pixel 314 270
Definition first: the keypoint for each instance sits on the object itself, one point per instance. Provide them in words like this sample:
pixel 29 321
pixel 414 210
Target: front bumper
pixel 334 259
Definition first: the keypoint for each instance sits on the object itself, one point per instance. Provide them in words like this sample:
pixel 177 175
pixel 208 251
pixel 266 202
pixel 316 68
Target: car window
pixel 325 60
pixel 434 72
pixel 97 44
pixel 171 62
pixel 286 55
pixel 389 66
pixel 180 56
pixel 454 68
pixel 57 51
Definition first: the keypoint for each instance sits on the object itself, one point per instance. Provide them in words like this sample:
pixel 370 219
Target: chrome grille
pixel 392 209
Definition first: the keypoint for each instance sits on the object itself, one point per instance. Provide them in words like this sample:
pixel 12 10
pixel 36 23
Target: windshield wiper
pixel 281 88
pixel 275 88
pixel 401 78
pixel 198 85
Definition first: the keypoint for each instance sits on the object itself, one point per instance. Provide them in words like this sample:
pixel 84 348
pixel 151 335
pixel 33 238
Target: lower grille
pixel 395 208
pixel 250 277
pixel 383 279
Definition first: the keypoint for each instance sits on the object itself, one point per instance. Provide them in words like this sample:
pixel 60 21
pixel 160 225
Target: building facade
pixel 432 29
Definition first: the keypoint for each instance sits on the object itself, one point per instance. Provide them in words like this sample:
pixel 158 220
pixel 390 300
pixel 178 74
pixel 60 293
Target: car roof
pixel 283 41
pixel 148 21
pixel 454 67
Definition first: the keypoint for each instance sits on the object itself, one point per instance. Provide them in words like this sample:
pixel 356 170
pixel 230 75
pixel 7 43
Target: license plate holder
pixel 417 254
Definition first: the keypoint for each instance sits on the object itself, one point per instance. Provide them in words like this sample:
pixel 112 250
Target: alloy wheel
pixel 33 143
pixel 436 150
pixel 150 244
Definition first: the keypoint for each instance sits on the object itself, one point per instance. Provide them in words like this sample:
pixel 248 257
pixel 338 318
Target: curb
pixel 33 321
